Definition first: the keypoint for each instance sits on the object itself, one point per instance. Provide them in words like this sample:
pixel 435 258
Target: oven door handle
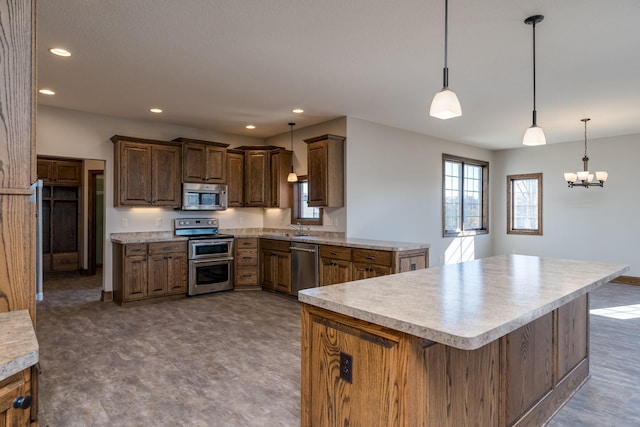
pixel 211 260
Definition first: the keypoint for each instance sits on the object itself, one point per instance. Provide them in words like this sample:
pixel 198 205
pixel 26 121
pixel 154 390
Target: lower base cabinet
pixel 145 272
pixel 16 400
pixel 275 265
pixel 246 263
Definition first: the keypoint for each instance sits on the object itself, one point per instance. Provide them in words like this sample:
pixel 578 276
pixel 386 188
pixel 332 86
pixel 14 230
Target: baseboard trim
pixel 107 296
pixel 627 280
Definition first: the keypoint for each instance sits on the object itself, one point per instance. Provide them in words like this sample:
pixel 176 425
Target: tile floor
pixel 233 359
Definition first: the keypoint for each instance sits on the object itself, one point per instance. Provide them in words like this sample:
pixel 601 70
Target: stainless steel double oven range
pixel 210 255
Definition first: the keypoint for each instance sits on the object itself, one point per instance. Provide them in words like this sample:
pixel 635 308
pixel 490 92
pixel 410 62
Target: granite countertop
pixel 466 305
pixel 18 344
pixel 336 240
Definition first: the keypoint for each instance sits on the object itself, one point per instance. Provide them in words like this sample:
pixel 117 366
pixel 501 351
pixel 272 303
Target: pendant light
pixel 445 104
pixel 584 176
pixel 534 135
pixel 292 177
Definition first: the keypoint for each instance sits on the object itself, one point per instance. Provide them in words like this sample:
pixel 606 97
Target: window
pixel 524 204
pixel 465 196
pixel 300 211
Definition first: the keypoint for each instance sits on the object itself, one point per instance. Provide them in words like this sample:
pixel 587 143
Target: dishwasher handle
pixel 293 248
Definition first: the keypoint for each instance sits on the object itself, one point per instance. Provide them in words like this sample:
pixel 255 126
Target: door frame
pixel 91 220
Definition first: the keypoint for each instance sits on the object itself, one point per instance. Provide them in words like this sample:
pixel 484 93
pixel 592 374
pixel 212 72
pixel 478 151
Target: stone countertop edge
pixel 163 236
pixel 18 344
pixel 461 341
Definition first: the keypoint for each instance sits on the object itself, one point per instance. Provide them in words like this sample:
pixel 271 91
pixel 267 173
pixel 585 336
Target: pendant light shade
pixel 292 177
pixel 534 135
pixel 445 104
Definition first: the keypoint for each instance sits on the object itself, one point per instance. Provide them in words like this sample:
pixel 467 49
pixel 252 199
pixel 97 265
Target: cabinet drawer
pixel 247 257
pixel 65 261
pixel 335 252
pixel 275 245
pixel 247 276
pixel 135 249
pixel 372 256
pixel 246 243
pixel 167 247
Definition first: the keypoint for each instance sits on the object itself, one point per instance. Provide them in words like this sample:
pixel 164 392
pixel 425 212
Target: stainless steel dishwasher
pixel 304 266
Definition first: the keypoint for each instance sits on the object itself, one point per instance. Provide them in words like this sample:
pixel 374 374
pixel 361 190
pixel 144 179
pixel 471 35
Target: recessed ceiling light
pixel 250 126
pixel 297 110
pixel 156 110
pixel 47 92
pixel 59 51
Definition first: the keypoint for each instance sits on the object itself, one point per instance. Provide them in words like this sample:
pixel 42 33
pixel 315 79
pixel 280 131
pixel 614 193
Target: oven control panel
pixel 186 223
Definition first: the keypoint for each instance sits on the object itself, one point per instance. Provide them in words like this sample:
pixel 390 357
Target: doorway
pixel 95 226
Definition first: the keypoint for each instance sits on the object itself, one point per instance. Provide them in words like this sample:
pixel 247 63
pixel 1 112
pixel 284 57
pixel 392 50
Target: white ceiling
pixel 220 64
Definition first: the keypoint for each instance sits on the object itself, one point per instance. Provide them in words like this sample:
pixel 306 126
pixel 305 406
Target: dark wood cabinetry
pixel 17 386
pixel 59 171
pixel 325 170
pixel 335 265
pixel 148 271
pixel 369 263
pixel 256 178
pixel 279 188
pixel 61 219
pixel 275 265
pixel 147 172
pixel 235 178
pixel 203 161
pixel 265 176
pixel 246 263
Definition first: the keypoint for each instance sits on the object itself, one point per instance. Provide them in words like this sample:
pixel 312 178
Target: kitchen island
pixel 498 341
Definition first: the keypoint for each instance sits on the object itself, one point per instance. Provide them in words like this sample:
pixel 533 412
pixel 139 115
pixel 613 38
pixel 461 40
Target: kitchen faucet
pixel 299 230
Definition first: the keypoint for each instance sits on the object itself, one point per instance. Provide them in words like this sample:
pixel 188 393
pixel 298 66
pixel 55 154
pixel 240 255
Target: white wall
pixel 79 135
pixel 580 223
pixel 333 219
pixel 394 189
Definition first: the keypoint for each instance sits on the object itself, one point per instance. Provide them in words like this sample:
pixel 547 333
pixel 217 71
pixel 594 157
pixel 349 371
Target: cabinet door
pixel 283 275
pixel 67 172
pixel 135 277
pixel 157 278
pixel 235 179
pixel 45 170
pixel 177 273
pixel 334 271
pixel 18 385
pixel 165 168
pixel 135 174
pixel 317 153
pixel 268 266
pixel 194 165
pixel 216 167
pixel 256 178
pixel 366 271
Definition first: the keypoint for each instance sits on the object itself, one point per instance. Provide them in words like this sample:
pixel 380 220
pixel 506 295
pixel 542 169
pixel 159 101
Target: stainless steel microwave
pixel 204 197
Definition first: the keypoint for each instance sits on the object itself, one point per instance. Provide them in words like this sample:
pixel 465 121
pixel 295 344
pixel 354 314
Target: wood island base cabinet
pixel 359 373
pixel 15 394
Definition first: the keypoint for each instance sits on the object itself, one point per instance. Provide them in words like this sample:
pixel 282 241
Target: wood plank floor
pixel 233 359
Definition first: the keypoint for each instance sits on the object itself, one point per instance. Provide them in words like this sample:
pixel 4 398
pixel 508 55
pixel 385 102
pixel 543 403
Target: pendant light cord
pixel 445 71
pixel 585 136
pixel 534 72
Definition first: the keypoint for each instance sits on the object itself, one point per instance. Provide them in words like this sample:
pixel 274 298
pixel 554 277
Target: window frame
pixel 485 196
pixel 296 207
pixel 510 179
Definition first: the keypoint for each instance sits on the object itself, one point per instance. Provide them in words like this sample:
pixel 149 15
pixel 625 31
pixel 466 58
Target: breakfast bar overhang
pixel 498 341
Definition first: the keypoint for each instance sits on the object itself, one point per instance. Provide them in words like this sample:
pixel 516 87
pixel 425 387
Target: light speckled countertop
pixel 161 236
pixel 18 344
pixel 466 305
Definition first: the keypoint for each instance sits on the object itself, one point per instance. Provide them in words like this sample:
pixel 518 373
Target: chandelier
pixel 583 178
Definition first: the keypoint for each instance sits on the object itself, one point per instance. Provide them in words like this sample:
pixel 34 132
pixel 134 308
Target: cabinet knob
pixel 22 402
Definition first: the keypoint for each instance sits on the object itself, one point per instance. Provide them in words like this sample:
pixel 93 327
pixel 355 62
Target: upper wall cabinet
pixel 147 172
pixel 325 163
pixel 203 161
pixel 235 178
pixel 62 172
pixel 279 189
pixel 265 176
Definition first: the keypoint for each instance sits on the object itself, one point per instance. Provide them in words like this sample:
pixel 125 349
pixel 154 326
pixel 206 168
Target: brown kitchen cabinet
pixel 60 227
pixel 325 170
pixel 280 189
pixel 145 272
pixel 246 263
pixel 203 162
pixel 59 171
pixel 335 265
pixel 265 176
pixel 369 263
pixel 147 172
pixel 275 265
pixel 235 178
pixel 16 389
